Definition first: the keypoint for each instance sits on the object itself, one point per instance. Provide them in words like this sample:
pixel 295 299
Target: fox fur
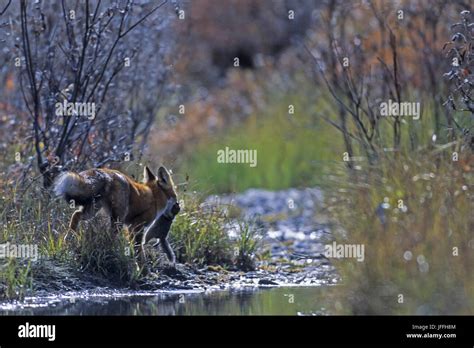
pixel 125 200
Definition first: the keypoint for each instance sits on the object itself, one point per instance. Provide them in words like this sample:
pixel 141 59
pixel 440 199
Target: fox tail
pixel 80 188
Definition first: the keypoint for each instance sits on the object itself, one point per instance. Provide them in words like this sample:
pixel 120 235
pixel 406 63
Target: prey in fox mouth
pixel 160 227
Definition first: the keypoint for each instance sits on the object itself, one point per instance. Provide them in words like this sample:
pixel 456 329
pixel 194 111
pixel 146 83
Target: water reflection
pixel 275 301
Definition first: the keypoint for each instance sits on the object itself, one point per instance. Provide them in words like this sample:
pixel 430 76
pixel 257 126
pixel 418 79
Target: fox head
pixel 163 187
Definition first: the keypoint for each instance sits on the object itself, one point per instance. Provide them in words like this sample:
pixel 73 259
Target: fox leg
pixel 75 218
pixel 145 237
pixel 140 251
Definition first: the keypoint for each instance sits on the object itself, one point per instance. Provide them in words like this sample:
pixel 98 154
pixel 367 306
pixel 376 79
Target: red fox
pixel 126 201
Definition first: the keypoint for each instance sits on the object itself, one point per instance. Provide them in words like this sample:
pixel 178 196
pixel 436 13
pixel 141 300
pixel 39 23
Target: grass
pixel 15 278
pixel 99 251
pixel 419 261
pixel 199 236
pixel 247 245
pixel 412 211
pixel 291 150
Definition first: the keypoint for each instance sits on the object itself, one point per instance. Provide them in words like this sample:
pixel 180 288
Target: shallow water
pixel 270 301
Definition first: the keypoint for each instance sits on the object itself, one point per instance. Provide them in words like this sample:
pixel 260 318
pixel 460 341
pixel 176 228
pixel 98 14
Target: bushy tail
pixel 77 187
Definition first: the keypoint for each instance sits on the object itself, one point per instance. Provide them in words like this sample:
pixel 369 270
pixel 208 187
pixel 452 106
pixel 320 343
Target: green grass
pixel 199 237
pixel 15 278
pixel 291 150
pixel 98 250
pixel 246 246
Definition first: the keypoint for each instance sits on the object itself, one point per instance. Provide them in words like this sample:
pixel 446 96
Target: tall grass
pixel 29 219
pixel 15 278
pixel 413 214
pixel 103 252
pixel 200 236
pixel 291 149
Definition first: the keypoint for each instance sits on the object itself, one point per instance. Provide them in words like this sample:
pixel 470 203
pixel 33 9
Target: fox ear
pixel 164 177
pixel 148 175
